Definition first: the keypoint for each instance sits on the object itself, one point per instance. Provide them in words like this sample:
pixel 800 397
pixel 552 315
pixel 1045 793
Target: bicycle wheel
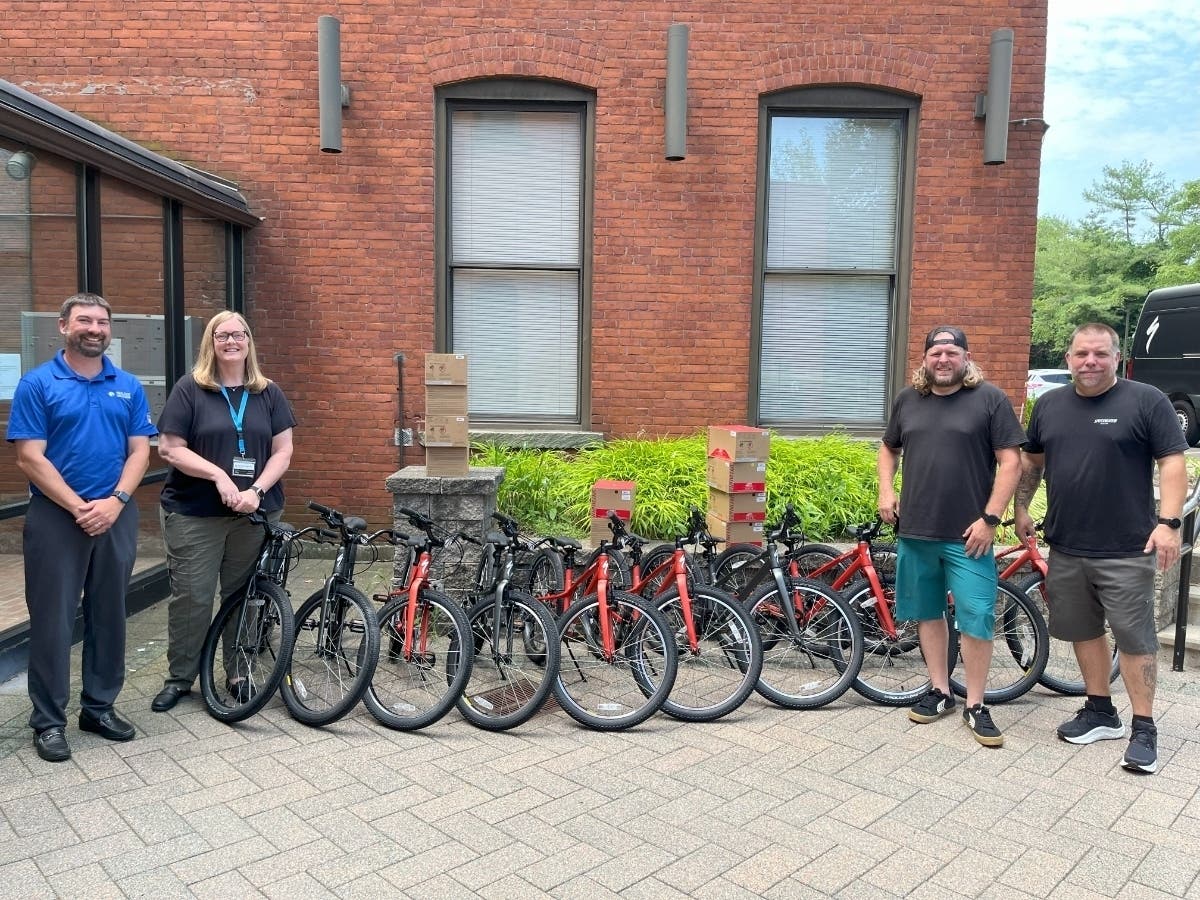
pixel 620 576
pixel 894 672
pixel 485 571
pixel 246 651
pixel 736 568
pixel 508 684
pixel 622 690
pixel 1020 648
pixel 818 664
pixel 655 558
pixel 413 689
pixel 811 557
pixel 721 673
pixel 333 657
pixel 546 573
pixel 1062 668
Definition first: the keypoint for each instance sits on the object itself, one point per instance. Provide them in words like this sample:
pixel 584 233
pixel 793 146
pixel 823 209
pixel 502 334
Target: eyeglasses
pixel 226 336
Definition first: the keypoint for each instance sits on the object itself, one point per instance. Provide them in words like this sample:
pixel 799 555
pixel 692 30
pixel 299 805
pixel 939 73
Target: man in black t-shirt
pixel 959 439
pixel 1097 443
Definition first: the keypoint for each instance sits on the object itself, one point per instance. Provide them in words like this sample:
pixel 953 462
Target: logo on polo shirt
pixel 123 395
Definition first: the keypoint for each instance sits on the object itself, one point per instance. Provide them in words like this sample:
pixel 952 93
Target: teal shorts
pixel 927 570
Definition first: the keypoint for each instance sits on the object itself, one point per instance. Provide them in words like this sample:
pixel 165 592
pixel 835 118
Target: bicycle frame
pixel 1025 552
pixel 677 565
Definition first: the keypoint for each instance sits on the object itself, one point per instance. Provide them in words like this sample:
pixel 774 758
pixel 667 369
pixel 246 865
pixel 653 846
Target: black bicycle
pixel 249 643
pixel 336 645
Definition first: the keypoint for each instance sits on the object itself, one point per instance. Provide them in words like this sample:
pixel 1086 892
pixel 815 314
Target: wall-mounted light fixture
pixel 993 106
pixel 675 98
pixel 332 94
pixel 20 165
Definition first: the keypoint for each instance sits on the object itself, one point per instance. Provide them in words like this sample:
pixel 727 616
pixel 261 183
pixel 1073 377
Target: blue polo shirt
pixel 85 422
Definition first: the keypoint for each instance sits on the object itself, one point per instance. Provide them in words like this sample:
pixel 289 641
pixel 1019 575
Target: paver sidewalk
pixel 850 800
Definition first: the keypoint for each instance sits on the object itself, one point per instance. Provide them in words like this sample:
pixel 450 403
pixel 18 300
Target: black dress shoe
pixel 109 726
pixel 51 744
pixel 168 697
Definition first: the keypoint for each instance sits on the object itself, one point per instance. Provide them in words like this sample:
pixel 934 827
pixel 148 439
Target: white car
pixel 1042 380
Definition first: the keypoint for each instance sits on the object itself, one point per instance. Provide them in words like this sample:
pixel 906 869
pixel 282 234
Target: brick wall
pixel 341 270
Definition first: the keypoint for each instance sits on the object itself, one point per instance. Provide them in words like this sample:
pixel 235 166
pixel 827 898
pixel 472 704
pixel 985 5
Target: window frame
pixel 842 102
pixel 516 94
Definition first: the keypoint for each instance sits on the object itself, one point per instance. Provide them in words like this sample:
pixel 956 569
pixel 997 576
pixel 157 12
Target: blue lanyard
pixel 237 417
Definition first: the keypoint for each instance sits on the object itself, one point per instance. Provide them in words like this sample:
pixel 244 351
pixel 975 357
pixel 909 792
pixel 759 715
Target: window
pixel 513 288
pixel 832 241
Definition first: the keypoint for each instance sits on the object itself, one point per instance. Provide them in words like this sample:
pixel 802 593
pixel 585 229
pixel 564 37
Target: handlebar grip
pixel 462 535
pixel 617 525
pixel 327 535
pixel 318 508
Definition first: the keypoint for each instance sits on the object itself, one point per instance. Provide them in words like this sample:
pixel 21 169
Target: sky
pixel 1122 83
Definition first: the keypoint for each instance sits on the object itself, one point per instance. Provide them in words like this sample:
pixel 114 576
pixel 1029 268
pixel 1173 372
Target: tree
pixel 1129 191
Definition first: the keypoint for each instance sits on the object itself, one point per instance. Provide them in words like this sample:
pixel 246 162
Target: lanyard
pixel 237 417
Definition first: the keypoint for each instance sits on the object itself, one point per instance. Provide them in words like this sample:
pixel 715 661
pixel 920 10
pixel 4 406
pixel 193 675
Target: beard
pixel 948 379
pixel 80 344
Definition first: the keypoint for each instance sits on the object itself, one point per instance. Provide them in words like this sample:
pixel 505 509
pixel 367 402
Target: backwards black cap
pixel 957 337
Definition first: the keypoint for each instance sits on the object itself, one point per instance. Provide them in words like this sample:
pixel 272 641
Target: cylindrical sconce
pixel 329 67
pixel 996 102
pixel 675 99
pixel 20 165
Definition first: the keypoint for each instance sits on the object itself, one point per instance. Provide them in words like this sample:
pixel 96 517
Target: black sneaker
pixel 1091 725
pixel 1142 753
pixel 931 707
pixel 979 719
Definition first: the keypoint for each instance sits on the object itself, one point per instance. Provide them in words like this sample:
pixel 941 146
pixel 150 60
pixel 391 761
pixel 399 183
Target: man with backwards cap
pixel 960 443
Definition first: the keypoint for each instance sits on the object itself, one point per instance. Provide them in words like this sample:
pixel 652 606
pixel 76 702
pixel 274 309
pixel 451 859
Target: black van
pixel 1166 351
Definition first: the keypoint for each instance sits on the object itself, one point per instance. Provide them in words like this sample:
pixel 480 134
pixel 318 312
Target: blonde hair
pixel 923 383
pixel 206 372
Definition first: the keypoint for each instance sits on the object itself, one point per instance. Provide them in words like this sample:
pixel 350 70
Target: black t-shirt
pixel 1100 454
pixel 948 445
pixel 203 419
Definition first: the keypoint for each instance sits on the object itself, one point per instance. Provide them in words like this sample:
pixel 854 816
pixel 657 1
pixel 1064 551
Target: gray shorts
pixel 1082 591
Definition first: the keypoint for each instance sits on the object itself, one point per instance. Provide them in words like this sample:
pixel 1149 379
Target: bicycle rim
pixel 893 672
pixel 736 567
pixel 1062 673
pixel 818 664
pixel 416 684
pixel 333 658
pixel 245 652
pixel 1019 651
pixel 610 692
pixel 721 673
pixel 508 682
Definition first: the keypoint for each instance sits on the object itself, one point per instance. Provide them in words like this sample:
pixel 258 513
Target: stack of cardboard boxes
pixel 737 482
pixel 610 495
pixel 447 435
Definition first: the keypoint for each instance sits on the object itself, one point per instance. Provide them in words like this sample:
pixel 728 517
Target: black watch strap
pixel 1170 523
pixel 122 496
pixel 990 520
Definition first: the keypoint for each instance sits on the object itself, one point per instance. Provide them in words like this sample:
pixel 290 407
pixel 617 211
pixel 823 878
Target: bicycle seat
pixel 496 537
pixel 565 543
pixel 355 525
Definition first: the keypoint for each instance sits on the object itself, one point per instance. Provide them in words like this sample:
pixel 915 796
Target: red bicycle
pixel 1062 669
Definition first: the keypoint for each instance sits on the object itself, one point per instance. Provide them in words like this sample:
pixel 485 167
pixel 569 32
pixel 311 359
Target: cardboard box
pixel 447 462
pixel 737 477
pixel 600 532
pixel 447 431
pixel 738 507
pixel 738 443
pixel 614 495
pixel 445 400
pixel 737 532
pixel 445 368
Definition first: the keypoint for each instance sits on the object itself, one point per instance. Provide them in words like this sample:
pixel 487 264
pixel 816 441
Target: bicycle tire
pixel 508 684
pixel 810 557
pixel 259 624
pixel 655 558
pixel 736 568
pixel 1062 673
pixel 820 665
pixel 716 679
pixel 546 575
pixel 485 572
pixel 624 691
pixel 413 690
pixel 894 671
pixel 1021 647
pixel 332 662
pixel 620 575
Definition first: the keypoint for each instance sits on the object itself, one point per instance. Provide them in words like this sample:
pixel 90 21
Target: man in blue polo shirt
pixel 82 431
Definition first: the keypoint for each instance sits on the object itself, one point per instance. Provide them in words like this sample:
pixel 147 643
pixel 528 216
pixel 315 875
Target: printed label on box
pixel 445 368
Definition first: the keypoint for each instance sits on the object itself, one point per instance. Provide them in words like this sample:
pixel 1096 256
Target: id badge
pixel 243 467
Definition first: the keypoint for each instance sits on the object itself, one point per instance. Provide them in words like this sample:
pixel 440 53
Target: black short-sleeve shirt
pixel 203 419
pixel 1100 454
pixel 948 450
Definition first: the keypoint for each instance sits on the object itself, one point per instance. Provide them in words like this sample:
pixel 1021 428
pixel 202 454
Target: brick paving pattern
pixel 851 800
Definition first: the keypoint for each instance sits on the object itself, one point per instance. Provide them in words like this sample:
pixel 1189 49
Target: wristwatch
pixel 1170 523
pixel 262 495
pixel 990 520
pixel 121 495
